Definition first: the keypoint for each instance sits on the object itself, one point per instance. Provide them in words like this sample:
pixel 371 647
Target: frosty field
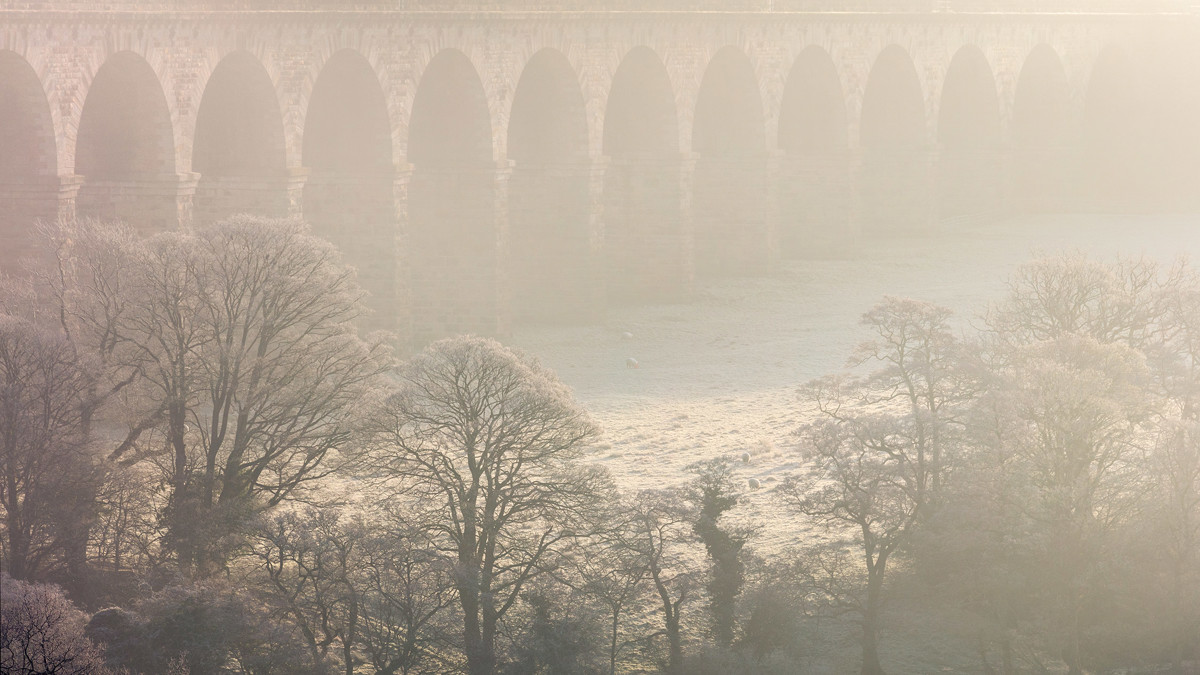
pixel 704 387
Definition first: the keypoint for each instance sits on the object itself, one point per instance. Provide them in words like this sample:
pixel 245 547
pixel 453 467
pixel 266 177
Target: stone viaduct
pixel 489 164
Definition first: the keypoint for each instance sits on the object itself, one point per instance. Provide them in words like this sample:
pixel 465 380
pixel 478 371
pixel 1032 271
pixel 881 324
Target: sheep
pixel 753 483
pixel 631 363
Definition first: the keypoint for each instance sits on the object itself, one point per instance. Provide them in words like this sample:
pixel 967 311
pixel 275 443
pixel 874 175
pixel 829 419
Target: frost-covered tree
pixel 1091 398
pixel 877 453
pixel 662 535
pixel 713 492
pixel 487 445
pixel 233 352
pixel 42 633
pixel 45 460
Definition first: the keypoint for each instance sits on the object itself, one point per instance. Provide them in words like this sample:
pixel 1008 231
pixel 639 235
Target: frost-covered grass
pixel 718 376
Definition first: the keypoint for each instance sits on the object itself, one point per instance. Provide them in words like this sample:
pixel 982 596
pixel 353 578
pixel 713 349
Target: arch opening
pixel 645 246
pixel 971 172
pixel 239 143
pixel 549 258
pixel 1172 75
pixel 1040 135
pixel 814 175
pixel 1113 168
pixel 641 117
pixel 729 192
pixel 346 128
pixel 28 161
pixel 125 148
pixel 896 180
pixel 452 203
pixel 349 197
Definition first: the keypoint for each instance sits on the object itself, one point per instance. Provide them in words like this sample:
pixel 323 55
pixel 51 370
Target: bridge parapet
pixel 1106 7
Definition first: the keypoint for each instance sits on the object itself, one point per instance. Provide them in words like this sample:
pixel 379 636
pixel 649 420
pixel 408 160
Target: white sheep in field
pixel 753 483
pixel 631 363
pixel 745 458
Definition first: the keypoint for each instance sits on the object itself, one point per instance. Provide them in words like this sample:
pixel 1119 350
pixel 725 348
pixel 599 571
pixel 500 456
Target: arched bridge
pixel 484 164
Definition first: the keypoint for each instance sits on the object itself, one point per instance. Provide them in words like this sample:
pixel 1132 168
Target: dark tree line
pixel 207 469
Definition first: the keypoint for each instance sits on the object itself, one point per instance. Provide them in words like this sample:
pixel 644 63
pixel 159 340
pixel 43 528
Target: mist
pixel 702 337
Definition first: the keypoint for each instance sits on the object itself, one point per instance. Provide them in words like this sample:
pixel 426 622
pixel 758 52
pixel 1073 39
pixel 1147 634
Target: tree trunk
pixel 675 642
pixel 1006 654
pixel 612 645
pixel 18 545
pixel 1073 666
pixel 349 638
pixel 490 620
pixel 870 638
pixel 183 523
pixel 870 647
pixel 479 657
pixel 75 543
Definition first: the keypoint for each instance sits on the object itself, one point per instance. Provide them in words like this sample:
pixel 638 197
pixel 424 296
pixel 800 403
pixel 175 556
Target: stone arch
pixel 814 180
pixel 125 127
pixel 645 245
pixel 28 159
pixel 349 196
pixel 452 202
pixel 549 192
pixel 1112 166
pixel 1172 81
pixel 969 138
pixel 893 108
pixel 27 147
pixel 729 186
pixel 1040 133
pixel 548 122
pixel 641 117
pixel 812 117
pixel 729 118
pixel 346 128
pixel 896 172
pixel 239 147
pixel 450 123
pixel 125 147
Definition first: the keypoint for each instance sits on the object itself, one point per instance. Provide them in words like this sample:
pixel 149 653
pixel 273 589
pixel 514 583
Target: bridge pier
pixel 732 215
pixel 1039 179
pixel 457 233
pixel 22 205
pixel 648 235
pixel 148 203
pixel 553 247
pixel 971 184
pixel 268 195
pixel 815 198
pixel 360 214
pixel 897 193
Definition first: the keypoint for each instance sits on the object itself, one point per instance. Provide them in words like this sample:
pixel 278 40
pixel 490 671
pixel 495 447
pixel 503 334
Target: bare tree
pixel 44 456
pixel 487 444
pixel 41 633
pixel 662 534
pixel 234 352
pixel 406 590
pixel 310 562
pixel 1177 458
pixel 612 569
pixel 876 454
pixel 1089 366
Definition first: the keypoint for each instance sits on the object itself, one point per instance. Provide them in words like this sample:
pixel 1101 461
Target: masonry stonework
pixel 516 165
